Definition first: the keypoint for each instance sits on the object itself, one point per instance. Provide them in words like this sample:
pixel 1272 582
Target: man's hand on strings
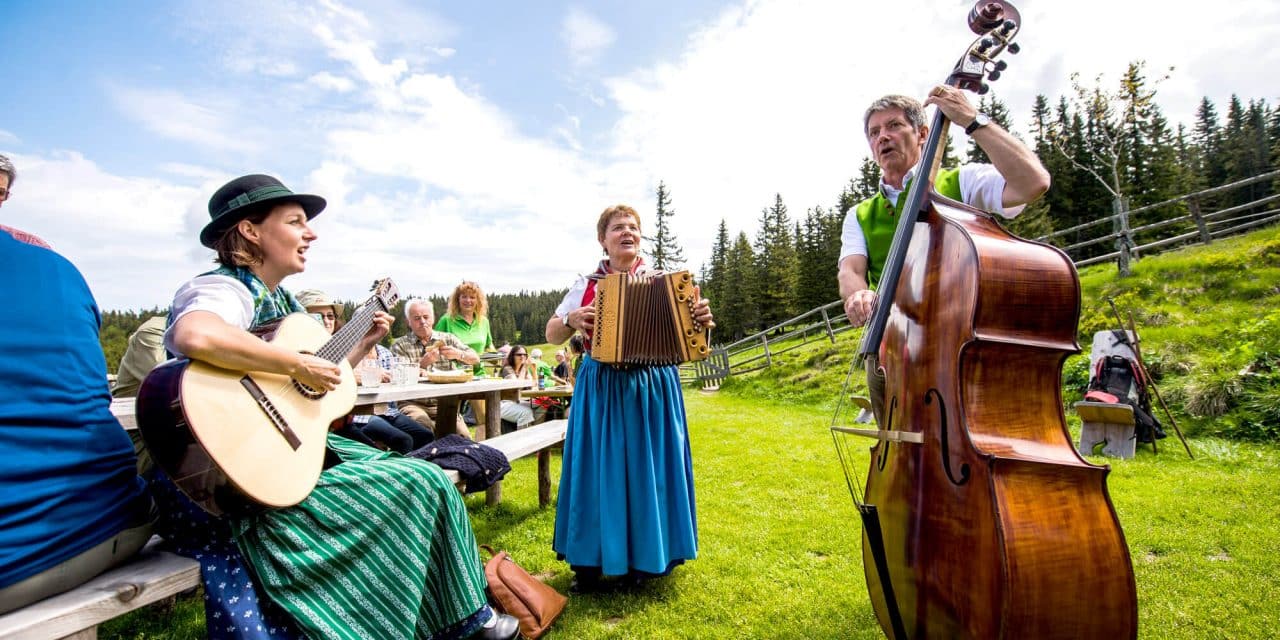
pixel 859 306
pixel 953 103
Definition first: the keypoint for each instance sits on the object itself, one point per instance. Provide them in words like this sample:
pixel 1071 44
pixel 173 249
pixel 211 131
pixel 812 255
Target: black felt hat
pixel 247 195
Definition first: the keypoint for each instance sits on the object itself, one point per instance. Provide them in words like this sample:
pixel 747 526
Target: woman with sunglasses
pixel 518 365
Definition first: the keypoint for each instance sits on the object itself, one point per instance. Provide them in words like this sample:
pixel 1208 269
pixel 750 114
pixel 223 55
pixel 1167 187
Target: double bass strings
pixel 840 438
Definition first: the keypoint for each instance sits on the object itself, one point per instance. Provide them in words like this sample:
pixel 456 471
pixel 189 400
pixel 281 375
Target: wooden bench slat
pixel 1104 412
pixel 151 576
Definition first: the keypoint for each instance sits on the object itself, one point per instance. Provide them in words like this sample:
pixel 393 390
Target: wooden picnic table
pixel 447 395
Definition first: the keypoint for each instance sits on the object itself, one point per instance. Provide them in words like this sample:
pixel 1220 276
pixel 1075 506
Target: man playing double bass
pixel 896 131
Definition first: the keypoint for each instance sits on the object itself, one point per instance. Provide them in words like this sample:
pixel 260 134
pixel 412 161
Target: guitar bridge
pixel 273 414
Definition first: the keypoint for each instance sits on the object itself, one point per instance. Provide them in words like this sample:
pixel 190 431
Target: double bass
pixel 980 519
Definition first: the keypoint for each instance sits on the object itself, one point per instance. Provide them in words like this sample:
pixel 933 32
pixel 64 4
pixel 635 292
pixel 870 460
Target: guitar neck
pixel 342 342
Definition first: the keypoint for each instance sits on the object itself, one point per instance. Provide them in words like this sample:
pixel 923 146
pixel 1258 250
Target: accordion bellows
pixel 647 319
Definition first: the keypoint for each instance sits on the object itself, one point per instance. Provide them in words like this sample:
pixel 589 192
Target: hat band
pixel 261 193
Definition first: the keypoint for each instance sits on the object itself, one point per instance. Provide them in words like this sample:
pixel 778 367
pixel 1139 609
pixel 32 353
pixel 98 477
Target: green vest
pixel 876 217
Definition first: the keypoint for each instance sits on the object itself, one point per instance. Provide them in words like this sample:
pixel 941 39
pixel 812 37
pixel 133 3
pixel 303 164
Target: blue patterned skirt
pixel 626 487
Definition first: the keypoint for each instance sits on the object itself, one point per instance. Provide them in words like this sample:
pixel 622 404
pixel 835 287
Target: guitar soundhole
pixel 308 392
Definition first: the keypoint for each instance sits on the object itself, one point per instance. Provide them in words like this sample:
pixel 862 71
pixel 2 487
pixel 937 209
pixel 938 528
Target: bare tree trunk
pixel 1120 205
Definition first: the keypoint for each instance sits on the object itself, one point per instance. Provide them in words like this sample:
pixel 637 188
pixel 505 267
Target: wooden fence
pixel 757 351
pixel 1207 226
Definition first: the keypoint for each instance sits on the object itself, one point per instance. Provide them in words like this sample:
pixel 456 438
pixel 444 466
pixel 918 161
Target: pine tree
pixel 714 280
pixel 776 264
pixel 1058 200
pixel 816 279
pixel 1211 161
pixel 1000 115
pixel 739 313
pixel 664 250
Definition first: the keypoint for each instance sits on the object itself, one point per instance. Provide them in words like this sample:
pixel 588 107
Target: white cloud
pixel 173 115
pixel 184 170
pixel 585 35
pixel 7 136
pixel 430 180
pixel 130 237
pixel 769 97
pixel 326 80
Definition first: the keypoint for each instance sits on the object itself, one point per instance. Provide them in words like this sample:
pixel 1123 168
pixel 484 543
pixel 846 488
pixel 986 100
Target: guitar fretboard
pixel 337 348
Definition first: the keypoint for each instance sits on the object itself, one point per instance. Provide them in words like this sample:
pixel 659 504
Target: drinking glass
pixel 370 374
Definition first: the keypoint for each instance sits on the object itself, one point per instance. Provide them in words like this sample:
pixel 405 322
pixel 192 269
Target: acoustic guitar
pixel 236 441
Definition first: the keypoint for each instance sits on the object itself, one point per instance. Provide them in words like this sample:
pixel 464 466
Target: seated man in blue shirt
pixel 71 502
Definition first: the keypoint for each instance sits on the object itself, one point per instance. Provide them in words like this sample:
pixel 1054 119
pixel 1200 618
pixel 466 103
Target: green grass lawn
pixel 780 542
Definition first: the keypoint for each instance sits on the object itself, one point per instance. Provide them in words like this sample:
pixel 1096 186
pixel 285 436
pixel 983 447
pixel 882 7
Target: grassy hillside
pixel 1208 318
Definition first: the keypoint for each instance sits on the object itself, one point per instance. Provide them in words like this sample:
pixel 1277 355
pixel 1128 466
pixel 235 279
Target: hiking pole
pixel 1137 351
pixel 1142 370
pixel 1155 390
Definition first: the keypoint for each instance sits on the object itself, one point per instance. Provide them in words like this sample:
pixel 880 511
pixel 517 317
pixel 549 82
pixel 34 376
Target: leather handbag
pixel 518 594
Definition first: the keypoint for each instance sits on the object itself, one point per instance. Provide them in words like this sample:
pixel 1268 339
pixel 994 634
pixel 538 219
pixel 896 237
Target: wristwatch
pixel 979 121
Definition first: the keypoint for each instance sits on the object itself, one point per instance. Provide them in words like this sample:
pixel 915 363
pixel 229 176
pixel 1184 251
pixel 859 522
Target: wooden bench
pixel 1107 423
pixel 154 575
pixel 539 439
pixel 151 576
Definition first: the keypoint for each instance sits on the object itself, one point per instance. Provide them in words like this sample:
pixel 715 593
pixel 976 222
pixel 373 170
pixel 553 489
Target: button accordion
pixel 647 319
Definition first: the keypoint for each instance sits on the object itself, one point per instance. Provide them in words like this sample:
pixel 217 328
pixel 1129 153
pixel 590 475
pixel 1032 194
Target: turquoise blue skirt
pixel 626 487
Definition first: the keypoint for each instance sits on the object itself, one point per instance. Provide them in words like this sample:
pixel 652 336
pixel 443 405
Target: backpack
pixel 1118 380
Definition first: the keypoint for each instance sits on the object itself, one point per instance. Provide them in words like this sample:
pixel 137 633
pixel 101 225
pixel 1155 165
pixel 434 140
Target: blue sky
pixel 479 140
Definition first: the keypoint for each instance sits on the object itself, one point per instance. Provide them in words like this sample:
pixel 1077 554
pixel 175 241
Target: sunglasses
pixel 521 355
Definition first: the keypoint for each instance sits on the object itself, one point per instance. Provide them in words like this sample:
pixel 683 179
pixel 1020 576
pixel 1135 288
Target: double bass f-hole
pixel 946 440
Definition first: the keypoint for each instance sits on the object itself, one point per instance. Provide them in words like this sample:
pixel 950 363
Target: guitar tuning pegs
pixel 1014 48
pixel 985 45
pixel 1001 65
pixel 983 89
pixel 993 76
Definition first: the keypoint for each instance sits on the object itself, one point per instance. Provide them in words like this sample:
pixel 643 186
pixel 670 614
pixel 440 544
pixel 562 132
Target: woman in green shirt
pixel 468 318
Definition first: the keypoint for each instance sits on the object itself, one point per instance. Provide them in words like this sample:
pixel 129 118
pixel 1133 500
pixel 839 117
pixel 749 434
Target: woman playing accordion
pixel 626 504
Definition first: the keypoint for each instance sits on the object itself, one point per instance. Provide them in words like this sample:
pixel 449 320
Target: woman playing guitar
pixel 372 550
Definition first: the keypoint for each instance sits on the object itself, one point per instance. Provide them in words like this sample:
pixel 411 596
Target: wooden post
pixel 764 337
pixel 1193 205
pixel 1120 206
pixel 826 321
pixel 544 478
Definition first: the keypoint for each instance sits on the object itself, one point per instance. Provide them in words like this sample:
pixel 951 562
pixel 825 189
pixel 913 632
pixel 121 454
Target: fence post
pixel 1193 205
pixel 1120 205
pixel 764 337
pixel 827 323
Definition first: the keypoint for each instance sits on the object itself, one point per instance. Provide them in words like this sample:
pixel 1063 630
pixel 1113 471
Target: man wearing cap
pixel 432 350
pixel 380 536
pixel 545 374
pixel 391 430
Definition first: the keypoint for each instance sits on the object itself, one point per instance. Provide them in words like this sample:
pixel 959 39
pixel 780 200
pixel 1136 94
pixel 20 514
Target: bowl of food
pixel 457 375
